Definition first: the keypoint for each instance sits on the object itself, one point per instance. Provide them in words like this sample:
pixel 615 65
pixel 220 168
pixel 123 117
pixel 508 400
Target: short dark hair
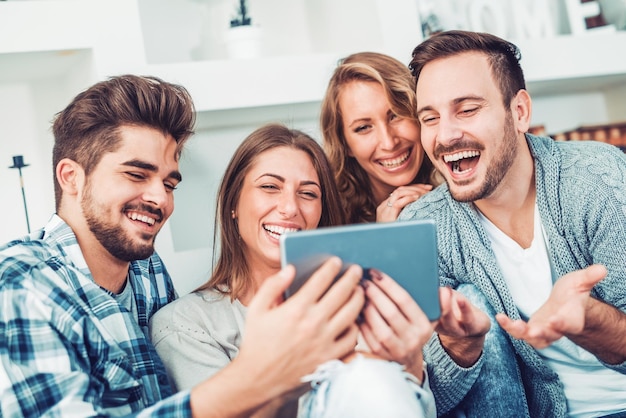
pixel 504 57
pixel 89 126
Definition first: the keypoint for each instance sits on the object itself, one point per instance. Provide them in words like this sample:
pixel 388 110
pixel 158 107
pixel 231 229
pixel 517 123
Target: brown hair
pixel 231 273
pixel 88 127
pixel 504 57
pixel 399 86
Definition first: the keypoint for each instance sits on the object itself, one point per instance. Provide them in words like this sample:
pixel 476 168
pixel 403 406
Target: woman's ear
pixel 70 176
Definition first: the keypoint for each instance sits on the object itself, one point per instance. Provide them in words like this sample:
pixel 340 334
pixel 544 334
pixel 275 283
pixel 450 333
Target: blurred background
pixel 270 63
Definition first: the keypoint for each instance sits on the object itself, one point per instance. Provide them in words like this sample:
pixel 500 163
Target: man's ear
pixel 521 107
pixel 71 176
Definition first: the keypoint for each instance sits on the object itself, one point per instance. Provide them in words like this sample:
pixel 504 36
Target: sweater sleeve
pixel 596 205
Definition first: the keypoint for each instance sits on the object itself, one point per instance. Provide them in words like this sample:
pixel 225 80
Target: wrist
pixel 465 351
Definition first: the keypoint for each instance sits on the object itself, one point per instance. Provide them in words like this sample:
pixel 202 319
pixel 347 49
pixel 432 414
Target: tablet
pixel 404 250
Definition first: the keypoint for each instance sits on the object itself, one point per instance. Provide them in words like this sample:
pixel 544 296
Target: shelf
pixel 574 64
pixel 233 84
pixel 244 91
pixel 271 86
pixel 32 66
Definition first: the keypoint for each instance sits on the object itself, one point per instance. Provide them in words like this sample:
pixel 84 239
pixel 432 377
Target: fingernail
pixel 375 274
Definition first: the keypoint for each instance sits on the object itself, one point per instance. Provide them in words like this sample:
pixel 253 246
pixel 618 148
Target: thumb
pixel 271 290
pixel 592 275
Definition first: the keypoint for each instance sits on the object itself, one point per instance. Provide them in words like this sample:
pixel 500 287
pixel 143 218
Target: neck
pixel 511 207
pixel 258 275
pixel 108 271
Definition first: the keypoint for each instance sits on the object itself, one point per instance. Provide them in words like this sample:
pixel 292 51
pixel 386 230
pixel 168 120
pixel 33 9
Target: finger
pixel 517 328
pixel 345 315
pixel 590 276
pixel 412 188
pixel 445 303
pixel 345 342
pixel 404 200
pixel 375 339
pixel 374 319
pixel 368 335
pixel 343 290
pixel 392 300
pixel 535 336
pixel 272 289
pixel 319 282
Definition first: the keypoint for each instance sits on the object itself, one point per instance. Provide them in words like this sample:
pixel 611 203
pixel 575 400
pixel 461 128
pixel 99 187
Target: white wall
pixel 18 136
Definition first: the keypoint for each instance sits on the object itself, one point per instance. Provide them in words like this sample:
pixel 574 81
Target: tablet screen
pixel 404 250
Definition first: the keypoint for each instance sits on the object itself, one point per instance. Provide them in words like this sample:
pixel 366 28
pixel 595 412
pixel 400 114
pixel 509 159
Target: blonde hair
pixel 399 86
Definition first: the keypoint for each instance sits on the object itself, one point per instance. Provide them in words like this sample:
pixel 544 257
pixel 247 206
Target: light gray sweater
pixel 197 335
pixel 581 195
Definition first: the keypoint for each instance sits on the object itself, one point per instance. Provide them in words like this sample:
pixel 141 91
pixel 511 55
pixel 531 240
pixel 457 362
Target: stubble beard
pixel 496 171
pixel 113 237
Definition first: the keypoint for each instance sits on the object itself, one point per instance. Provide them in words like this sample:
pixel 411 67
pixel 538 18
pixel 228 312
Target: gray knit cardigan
pixel 581 195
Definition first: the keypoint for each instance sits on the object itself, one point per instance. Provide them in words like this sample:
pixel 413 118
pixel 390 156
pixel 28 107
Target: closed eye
pixel 469 111
pixel 361 128
pixel 309 195
pixel 135 176
pixel 426 120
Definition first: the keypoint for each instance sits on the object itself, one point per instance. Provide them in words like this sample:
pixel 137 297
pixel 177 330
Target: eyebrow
pixel 174 174
pixel 455 102
pixel 282 179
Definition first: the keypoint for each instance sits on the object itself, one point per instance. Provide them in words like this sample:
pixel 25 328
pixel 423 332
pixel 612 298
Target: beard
pixel 113 237
pixel 505 155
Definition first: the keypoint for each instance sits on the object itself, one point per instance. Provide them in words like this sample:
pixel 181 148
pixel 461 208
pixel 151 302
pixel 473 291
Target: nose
pixel 388 138
pixel 287 204
pixel 448 130
pixel 157 194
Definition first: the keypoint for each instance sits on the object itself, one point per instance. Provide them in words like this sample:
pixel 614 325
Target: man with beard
pixel 76 296
pixel 538 227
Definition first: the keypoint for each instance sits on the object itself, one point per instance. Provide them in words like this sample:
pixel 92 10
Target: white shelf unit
pixel 35 47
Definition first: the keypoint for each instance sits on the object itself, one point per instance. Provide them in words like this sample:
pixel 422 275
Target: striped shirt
pixel 67 347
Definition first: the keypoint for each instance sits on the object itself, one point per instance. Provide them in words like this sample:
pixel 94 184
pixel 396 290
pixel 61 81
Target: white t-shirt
pixel 591 389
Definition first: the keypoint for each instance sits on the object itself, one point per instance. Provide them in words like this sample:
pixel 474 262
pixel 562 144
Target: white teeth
pixel 143 218
pixel 460 155
pixel 277 231
pixel 395 162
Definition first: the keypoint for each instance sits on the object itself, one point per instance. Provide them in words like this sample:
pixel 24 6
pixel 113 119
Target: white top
pixel 590 388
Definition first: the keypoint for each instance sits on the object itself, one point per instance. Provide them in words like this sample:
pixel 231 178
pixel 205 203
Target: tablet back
pixel 405 250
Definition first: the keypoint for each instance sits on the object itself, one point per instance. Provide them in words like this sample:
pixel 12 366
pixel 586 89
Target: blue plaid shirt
pixel 67 347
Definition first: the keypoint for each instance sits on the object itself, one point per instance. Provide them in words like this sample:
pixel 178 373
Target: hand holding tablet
pixel 405 251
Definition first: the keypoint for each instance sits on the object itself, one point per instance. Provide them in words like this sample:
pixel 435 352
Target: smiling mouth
pixel 395 162
pixel 461 162
pixel 135 216
pixel 276 231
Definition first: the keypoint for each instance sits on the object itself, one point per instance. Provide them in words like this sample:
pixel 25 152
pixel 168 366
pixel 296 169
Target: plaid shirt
pixel 67 348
